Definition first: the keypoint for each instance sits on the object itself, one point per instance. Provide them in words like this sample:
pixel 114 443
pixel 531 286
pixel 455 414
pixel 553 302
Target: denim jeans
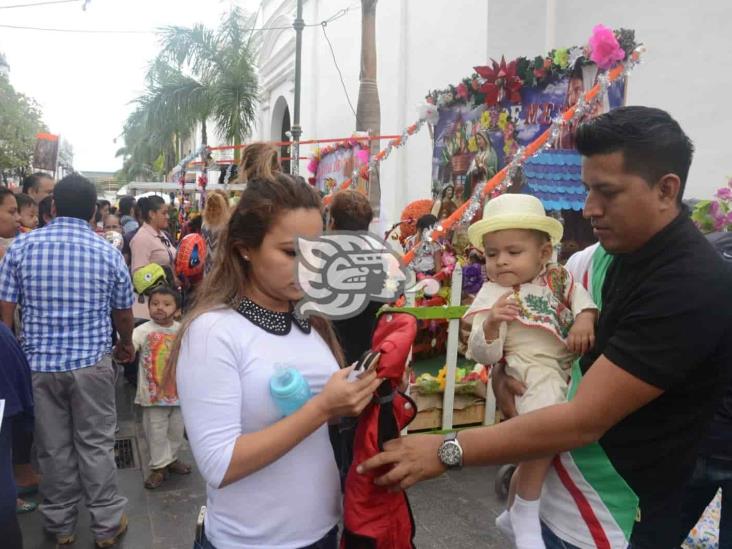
pixel 709 475
pixel 551 541
pixel 329 541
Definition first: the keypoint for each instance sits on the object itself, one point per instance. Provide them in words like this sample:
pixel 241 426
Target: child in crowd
pixel 533 316
pixel 112 223
pixel 28 210
pixel 161 417
pixel 427 254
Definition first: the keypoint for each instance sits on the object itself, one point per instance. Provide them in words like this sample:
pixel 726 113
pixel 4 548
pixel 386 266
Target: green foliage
pixel 199 74
pixel 20 121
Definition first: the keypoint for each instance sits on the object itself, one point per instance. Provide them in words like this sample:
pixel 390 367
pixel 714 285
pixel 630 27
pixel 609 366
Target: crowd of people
pixel 612 369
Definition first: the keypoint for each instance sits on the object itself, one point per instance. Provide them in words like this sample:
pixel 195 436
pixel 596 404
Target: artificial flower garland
pixel 503 80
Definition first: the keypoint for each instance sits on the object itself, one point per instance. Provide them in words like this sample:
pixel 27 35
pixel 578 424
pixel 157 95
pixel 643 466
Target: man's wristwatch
pixel 450 452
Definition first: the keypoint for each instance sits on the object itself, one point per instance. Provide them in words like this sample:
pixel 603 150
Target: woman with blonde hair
pixel 258 160
pixel 216 215
pixel 271 478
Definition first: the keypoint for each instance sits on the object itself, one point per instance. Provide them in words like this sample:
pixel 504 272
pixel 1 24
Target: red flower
pixel 501 82
pixel 462 91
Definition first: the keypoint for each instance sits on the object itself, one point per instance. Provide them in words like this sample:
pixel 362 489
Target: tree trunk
pixel 368 111
pixel 204 133
pixel 237 151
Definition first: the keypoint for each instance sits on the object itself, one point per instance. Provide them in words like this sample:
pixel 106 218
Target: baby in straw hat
pixel 533 316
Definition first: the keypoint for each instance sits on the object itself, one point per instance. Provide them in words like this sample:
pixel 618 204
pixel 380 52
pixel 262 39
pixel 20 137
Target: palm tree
pixel 217 74
pixel 155 128
pixel 368 110
pixel 199 74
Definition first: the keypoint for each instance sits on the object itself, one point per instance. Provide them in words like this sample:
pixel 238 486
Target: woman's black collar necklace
pixel 274 322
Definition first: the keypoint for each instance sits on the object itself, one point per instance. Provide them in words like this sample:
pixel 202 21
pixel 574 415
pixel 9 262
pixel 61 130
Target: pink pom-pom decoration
pixel 605 50
pixel 313 165
pixel 362 156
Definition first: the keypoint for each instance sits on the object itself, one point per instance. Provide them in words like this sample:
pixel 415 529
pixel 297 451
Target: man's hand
pixel 413 459
pixel 581 336
pixel 506 389
pixel 124 352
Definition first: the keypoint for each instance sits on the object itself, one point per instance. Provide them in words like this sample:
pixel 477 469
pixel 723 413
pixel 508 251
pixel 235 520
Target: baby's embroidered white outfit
pixel 533 346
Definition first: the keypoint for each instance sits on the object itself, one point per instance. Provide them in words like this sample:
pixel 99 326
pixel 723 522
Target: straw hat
pixel 514 211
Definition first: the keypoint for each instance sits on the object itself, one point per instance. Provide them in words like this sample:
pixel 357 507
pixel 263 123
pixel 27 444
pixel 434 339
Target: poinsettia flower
pixel 605 50
pixel 462 91
pixel 500 82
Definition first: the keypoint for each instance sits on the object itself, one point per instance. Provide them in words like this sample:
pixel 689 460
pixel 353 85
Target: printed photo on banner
pixel 333 164
pixel 471 143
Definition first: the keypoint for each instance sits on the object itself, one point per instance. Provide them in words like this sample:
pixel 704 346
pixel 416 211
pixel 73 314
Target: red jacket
pixel 373 517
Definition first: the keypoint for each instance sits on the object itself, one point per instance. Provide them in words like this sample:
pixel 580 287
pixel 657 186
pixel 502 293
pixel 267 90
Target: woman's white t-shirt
pixel 224 368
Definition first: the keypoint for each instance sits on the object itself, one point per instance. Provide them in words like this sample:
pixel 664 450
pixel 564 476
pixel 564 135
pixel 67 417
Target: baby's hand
pixel 504 310
pixel 581 336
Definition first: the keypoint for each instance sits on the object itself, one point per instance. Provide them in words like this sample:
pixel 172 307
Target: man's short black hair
pixel 75 196
pixel 126 205
pixel 653 144
pixel 45 207
pixel 102 203
pixel 164 289
pixel 33 181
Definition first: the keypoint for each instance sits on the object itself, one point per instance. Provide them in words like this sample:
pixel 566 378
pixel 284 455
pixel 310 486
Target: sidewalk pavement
pixel 455 511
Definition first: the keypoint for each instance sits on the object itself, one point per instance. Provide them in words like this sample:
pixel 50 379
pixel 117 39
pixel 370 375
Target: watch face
pixel 450 454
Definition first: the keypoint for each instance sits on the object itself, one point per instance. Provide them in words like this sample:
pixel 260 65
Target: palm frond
pixel 196 47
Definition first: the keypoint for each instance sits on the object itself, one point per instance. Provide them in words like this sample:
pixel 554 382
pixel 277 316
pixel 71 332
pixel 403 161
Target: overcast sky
pixel 85 82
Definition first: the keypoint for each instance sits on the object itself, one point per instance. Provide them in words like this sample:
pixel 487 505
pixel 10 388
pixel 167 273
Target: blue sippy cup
pixel 289 389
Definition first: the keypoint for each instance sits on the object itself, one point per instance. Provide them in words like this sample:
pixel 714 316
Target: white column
pixel 551 25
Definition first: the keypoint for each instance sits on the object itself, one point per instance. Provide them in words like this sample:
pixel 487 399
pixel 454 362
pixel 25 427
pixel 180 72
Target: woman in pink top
pixel 151 244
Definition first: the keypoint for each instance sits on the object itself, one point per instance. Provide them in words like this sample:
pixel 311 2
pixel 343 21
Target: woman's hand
pixel 343 398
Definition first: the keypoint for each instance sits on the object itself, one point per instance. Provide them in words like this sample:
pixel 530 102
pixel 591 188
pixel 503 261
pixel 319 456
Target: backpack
pixel 191 257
